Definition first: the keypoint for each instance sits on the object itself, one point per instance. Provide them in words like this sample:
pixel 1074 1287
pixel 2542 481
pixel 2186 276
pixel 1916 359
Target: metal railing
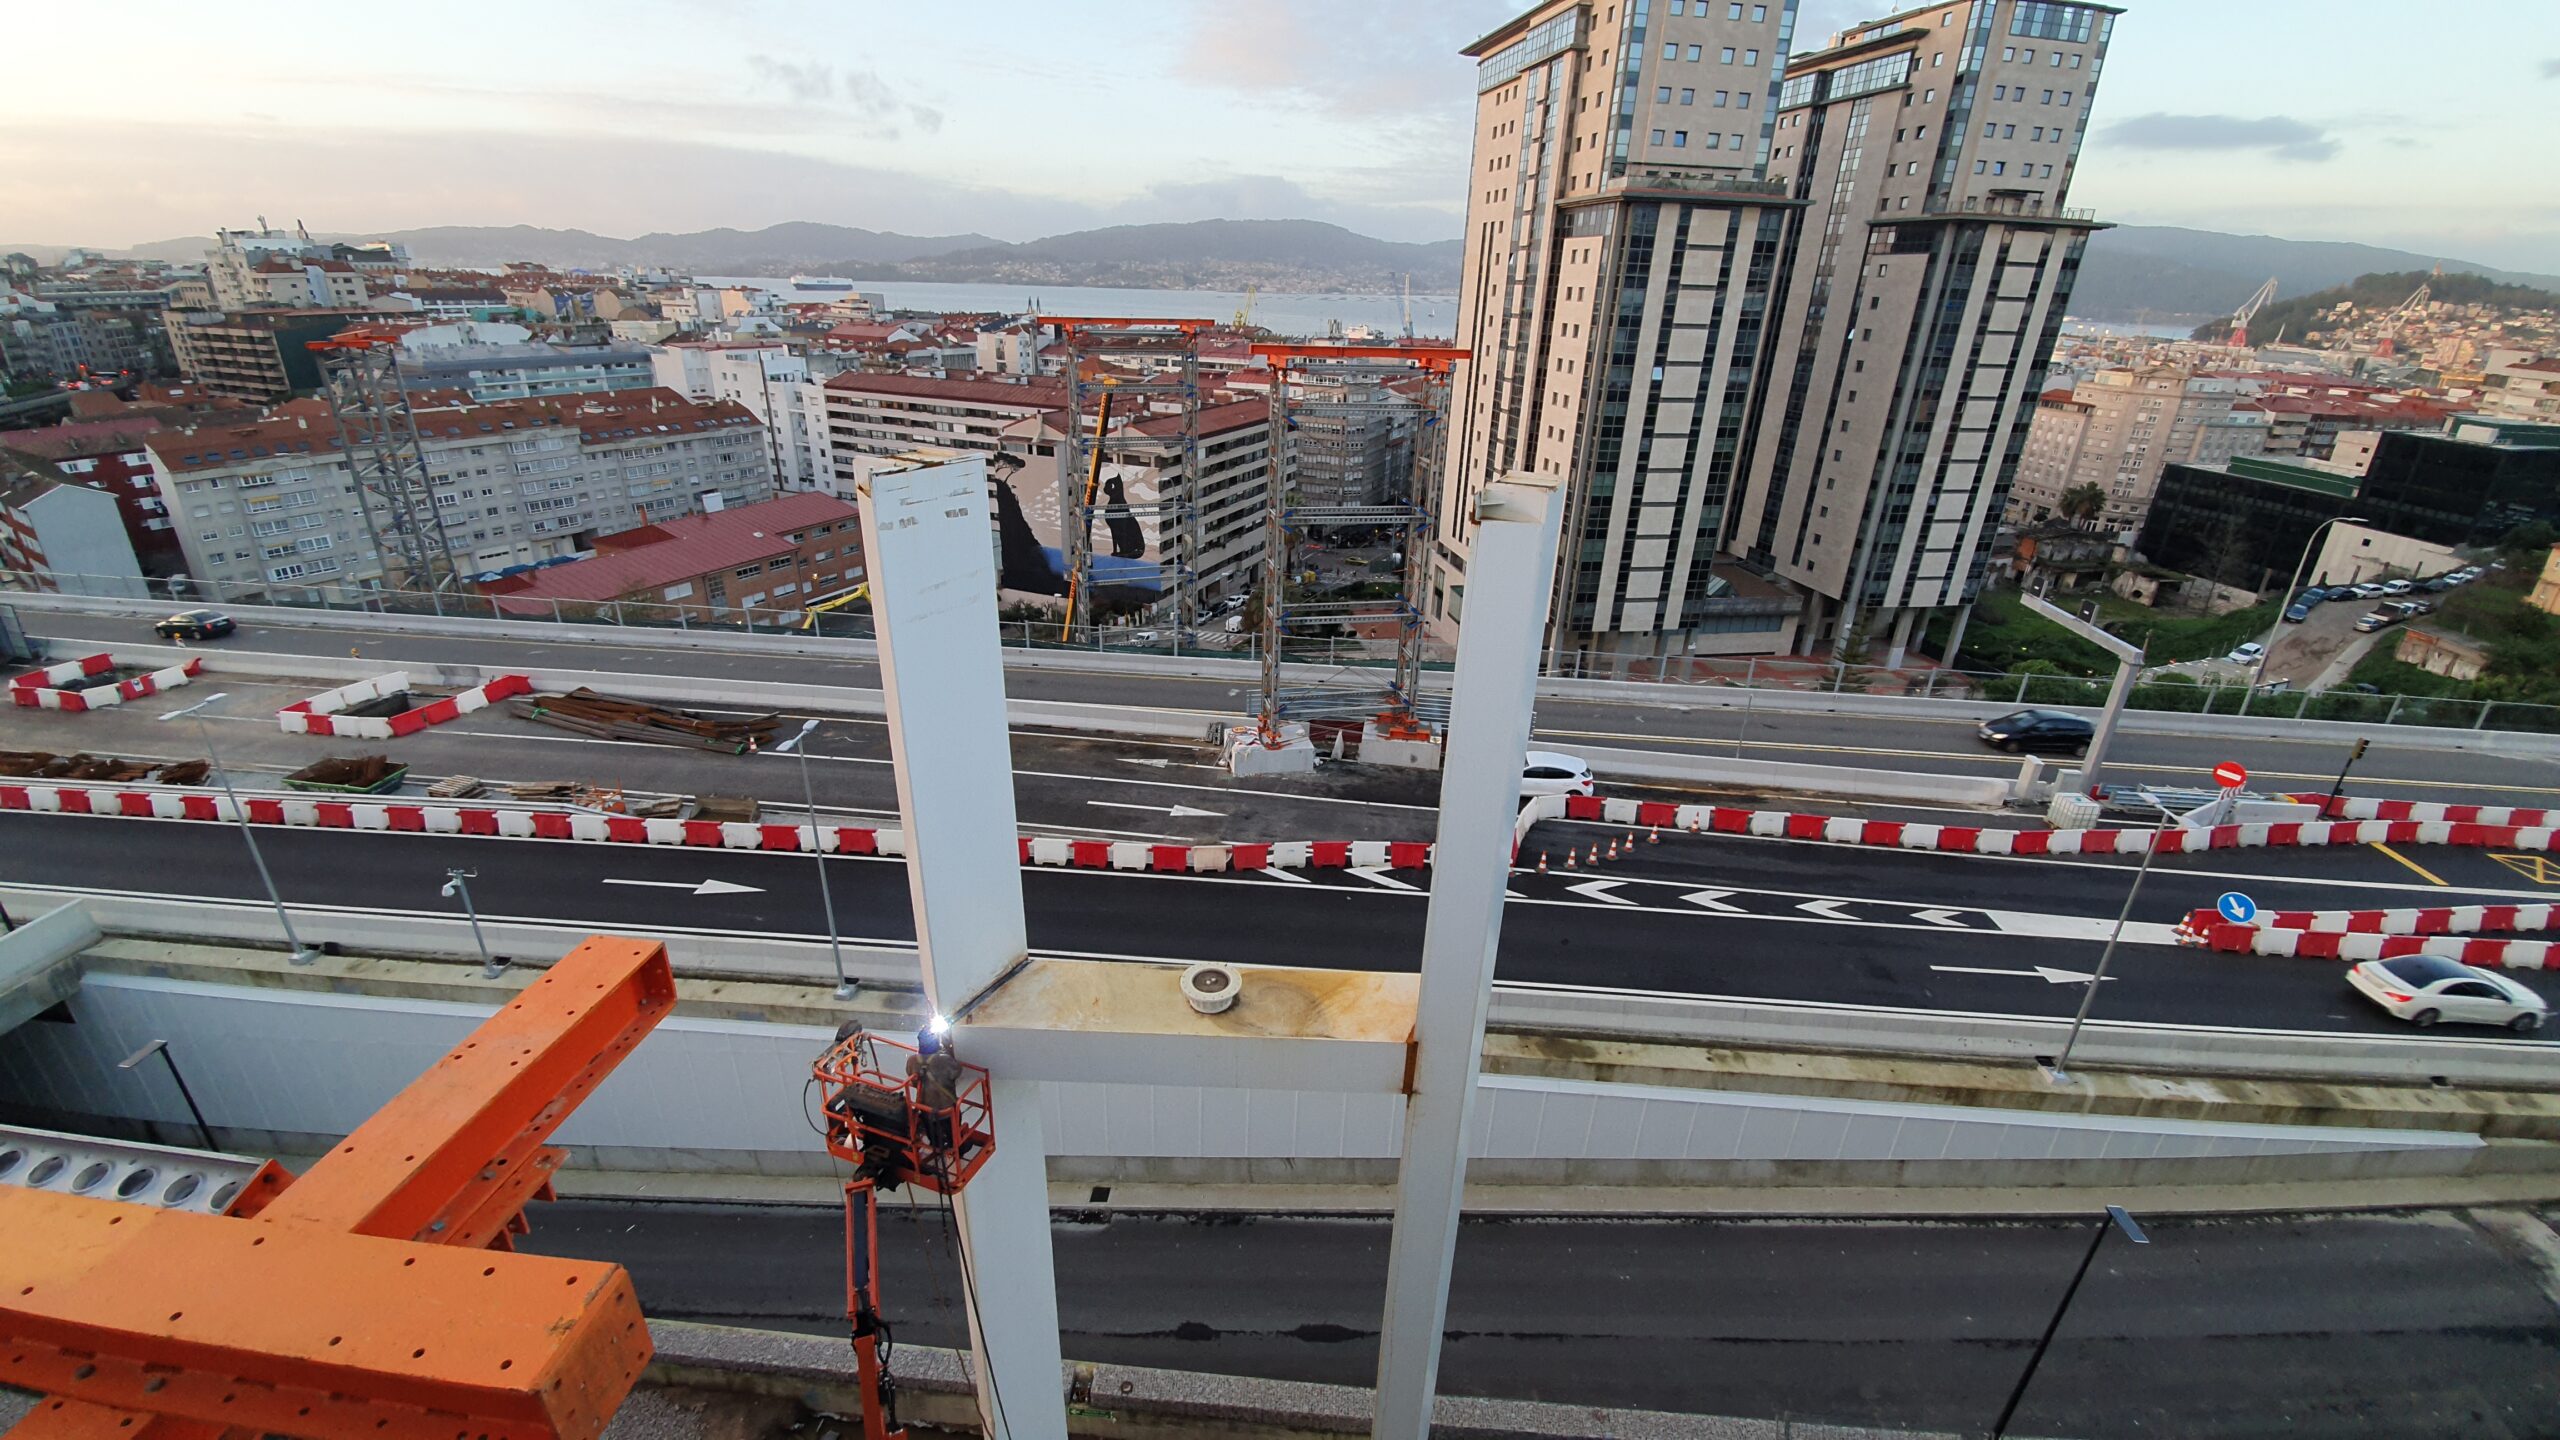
pixel 1763 673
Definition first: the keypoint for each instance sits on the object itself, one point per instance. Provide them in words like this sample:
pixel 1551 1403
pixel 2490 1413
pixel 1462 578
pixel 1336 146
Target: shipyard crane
pixel 2240 318
pixel 2399 315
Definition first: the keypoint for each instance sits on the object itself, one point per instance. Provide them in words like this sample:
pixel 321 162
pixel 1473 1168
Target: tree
pixel 2082 502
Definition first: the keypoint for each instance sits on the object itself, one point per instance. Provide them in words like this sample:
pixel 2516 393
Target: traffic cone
pixel 1595 854
pixel 1568 861
pixel 1613 847
pixel 1653 836
pixel 1693 824
pixel 1542 862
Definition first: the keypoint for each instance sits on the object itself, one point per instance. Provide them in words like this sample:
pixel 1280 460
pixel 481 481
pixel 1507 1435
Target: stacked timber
pixel 607 718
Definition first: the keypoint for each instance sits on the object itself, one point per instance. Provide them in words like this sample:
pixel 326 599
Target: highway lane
pixel 1892 929
pixel 2396 1327
pixel 1940 746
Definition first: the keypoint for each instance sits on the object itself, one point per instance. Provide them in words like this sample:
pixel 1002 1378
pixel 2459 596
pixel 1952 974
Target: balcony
pixel 2023 207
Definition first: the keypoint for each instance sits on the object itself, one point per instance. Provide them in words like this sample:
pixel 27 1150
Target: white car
pixel 2247 654
pixel 2423 989
pixel 1545 772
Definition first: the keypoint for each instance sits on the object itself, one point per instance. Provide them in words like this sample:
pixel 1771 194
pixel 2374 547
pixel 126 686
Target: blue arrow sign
pixel 2237 908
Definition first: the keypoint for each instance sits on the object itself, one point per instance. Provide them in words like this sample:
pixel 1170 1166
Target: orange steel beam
pixel 1069 324
pixel 449 1162
pixel 234 1323
pixel 1429 357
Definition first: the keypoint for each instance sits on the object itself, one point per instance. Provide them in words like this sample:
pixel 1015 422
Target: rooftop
pixel 664 552
pixel 1042 394
pixel 601 416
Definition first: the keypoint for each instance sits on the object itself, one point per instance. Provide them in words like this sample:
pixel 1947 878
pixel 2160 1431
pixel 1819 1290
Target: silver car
pixel 2425 989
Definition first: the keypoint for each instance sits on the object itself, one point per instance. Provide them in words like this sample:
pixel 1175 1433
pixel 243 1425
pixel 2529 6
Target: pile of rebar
pixel 606 718
pixel 42 765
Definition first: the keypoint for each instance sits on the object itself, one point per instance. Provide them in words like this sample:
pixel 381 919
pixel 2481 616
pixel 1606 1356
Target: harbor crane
pixel 2249 311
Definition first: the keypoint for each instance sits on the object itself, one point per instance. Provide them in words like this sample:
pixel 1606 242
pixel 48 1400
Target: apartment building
pixel 521 369
pixel 769 379
pixel 1624 243
pixel 2115 432
pixel 261 355
pixel 68 537
pixel 1929 263
pixel 779 554
pixel 882 414
pixel 108 455
pixel 2521 385
pixel 258 267
pixel 513 483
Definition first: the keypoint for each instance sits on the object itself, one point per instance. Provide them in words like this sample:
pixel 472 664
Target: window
pixel 2075 62
pixel 1990 129
pixel 1920 132
pixel 1657 137
pixel 1720 102
pixel 2048 97
pixel 1733 11
pixel 1679 139
pixel 1662 95
pixel 1999 167
pixel 2038 133
pixel 2027 57
pixel 1712 138
pixel 2066 99
pixel 1938 61
pixel 1999 92
pixel 2044 172
pixel 1750 57
pixel 677 592
pixel 2009 52
pixel 1688 97
pixel 1979 166
pixel 1759 14
pixel 1728 55
pixel 1737 139
pixel 744 571
pixel 1670 52
pixel 2008 132
pixel 1693 53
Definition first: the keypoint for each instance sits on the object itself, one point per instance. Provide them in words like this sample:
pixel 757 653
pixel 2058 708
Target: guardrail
pixel 1023 640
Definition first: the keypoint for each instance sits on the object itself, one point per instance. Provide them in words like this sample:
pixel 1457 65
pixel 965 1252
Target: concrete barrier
pixel 1967 791
pixel 39 959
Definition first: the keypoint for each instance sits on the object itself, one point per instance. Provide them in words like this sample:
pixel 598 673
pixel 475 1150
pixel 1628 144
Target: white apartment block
pixel 2117 431
pixel 2521 385
pixel 513 483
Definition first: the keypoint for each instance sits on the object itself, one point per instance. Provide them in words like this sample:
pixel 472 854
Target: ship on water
pixel 821 282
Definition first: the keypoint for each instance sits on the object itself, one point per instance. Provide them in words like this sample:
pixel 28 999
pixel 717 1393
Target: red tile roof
pixel 77 438
pixel 679 549
pixel 601 417
pixel 1039 394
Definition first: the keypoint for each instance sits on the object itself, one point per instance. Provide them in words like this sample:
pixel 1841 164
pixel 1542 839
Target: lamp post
pixel 302 954
pixel 2058 1070
pixel 2258 674
pixel 798 745
pixel 161 1049
pixel 458 883
pixel 2116 1219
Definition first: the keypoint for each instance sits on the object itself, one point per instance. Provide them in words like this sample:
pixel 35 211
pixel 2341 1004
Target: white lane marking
pixel 1599 890
pixel 1714 900
pixel 1153 762
pixel 1267 873
pixel 707 887
pixel 2079 927
pixel 1376 876
pixel 1940 917
pixel 1827 909
pixel 1174 811
pixel 2049 974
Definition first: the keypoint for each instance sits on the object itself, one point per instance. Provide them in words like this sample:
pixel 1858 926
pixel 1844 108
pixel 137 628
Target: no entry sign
pixel 2230 775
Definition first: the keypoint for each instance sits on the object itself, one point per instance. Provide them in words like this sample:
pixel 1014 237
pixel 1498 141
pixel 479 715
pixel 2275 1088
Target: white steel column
pixel 933 594
pixel 1514 557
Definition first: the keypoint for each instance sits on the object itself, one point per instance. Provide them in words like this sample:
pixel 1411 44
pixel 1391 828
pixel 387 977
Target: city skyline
pixel 1321 112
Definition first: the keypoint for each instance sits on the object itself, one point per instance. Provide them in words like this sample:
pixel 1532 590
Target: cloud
pixel 1342 57
pixel 2283 138
pixel 2551 69
pixel 856 93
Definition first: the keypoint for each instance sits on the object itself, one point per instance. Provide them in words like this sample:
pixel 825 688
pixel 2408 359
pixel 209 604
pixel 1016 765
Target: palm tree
pixel 2082 502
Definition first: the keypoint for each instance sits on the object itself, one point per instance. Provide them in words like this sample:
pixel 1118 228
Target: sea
pixel 1282 312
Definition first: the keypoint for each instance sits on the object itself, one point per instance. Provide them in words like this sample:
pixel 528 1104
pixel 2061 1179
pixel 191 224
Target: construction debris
pixel 733 809
pixel 606 718
pixel 581 793
pixel 457 787
pixel 361 775
pixel 43 765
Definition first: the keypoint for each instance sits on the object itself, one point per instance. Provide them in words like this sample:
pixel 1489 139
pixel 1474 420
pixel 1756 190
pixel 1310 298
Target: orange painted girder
pixel 300 1331
pixel 476 1121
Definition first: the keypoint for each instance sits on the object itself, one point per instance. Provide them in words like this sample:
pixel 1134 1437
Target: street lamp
pixel 2258 675
pixel 161 1049
pixel 2116 1219
pixel 2057 1070
pixel 302 954
pixel 458 882
pixel 797 745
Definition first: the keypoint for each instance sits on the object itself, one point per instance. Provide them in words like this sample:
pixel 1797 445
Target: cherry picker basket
pixel 903 1114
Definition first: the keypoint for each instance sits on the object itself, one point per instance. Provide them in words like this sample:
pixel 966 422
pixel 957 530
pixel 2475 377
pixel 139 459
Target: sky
pixel 1017 119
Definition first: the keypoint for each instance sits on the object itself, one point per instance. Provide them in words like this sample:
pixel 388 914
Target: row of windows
pixel 1712 140
pixel 2019 94
pixel 1732 11
pixel 1671 51
pixel 1662 96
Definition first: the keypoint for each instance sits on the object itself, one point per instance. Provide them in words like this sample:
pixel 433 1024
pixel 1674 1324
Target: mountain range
pixel 2155 273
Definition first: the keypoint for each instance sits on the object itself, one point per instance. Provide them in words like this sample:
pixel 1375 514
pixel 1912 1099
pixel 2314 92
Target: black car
pixel 2050 731
pixel 195 625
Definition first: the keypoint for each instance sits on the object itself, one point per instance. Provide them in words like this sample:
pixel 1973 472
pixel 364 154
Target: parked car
pixel 2369 590
pixel 2312 596
pixel 1548 772
pixel 2396 587
pixel 2248 653
pixel 2438 585
pixel 2373 620
pixel 194 625
pixel 2049 731
pixel 2423 989
pixel 2297 612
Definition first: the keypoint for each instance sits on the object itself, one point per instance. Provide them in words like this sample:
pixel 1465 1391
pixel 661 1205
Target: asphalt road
pixel 1699 915
pixel 1934 746
pixel 2398 1326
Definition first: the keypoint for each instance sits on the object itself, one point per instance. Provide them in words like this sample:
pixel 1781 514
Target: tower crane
pixel 2400 314
pixel 1244 312
pixel 2240 318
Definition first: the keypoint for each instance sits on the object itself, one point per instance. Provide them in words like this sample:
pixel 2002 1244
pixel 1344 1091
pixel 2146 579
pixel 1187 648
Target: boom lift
pixel 899 1115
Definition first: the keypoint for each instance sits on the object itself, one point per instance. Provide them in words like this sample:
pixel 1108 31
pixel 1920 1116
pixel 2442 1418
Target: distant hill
pixel 784 249
pixel 2300 316
pixel 1204 254
pixel 2166 274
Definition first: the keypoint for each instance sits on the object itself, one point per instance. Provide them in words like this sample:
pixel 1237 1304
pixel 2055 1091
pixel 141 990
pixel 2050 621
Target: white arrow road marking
pixel 1939 917
pixel 2080 927
pixel 1175 811
pixel 1275 873
pixel 1157 764
pixel 1827 909
pixel 2050 975
pixel 1599 890
pixel 1377 876
pixel 1714 900
pixel 706 887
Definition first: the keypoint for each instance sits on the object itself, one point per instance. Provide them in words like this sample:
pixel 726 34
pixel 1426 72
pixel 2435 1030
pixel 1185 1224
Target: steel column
pixel 1496 684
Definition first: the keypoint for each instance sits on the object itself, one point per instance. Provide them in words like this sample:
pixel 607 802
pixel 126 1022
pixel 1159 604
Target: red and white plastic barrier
pixel 163 803
pixel 320 715
pixel 2430 920
pixel 2223 936
pixel 1984 840
pixel 41 689
pixel 2356 807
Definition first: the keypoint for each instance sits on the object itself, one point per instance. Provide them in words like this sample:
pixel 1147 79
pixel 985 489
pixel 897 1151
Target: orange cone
pixel 1595 854
pixel 1653 836
pixel 1613 847
pixel 1542 862
pixel 1569 861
